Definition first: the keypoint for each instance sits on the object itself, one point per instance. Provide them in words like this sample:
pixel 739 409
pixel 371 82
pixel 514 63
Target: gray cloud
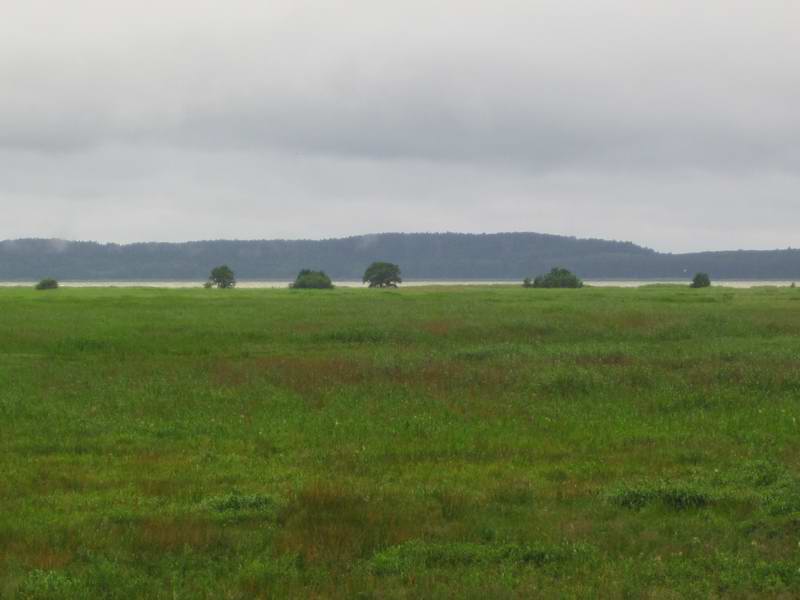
pixel 671 124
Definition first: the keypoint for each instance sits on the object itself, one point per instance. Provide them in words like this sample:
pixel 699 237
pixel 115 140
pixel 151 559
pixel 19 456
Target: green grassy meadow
pixel 464 442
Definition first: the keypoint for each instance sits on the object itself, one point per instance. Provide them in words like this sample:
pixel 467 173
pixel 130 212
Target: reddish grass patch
pixel 38 553
pixel 175 535
pixel 167 486
pixel 440 327
pixel 326 523
pixel 604 360
pixel 39 557
pixel 312 377
pixel 226 373
pixel 51 480
pixel 464 380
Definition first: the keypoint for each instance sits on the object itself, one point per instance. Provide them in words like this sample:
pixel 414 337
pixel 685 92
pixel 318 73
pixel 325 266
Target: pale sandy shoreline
pixel 256 284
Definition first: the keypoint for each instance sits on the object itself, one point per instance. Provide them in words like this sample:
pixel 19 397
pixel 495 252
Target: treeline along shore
pixel 422 256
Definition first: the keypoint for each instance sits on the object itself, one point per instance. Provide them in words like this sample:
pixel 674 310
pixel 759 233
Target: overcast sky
pixel 671 123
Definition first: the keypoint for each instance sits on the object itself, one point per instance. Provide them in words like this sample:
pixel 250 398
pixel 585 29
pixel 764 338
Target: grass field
pixel 417 443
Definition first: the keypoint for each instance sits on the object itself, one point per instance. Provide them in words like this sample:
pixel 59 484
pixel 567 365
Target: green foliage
pixel 356 335
pixel 221 277
pixel 527 282
pixel 48 585
pixel 307 279
pixel 382 274
pixel 672 496
pixel 270 573
pixel 235 501
pixel 557 278
pixel 418 556
pixel 701 280
pixel 48 283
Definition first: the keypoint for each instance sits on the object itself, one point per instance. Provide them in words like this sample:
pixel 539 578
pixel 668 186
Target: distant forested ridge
pixel 420 255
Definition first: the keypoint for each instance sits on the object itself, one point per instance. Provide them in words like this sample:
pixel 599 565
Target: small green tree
pixel 527 282
pixel 308 279
pixel 382 274
pixel 48 283
pixel 701 280
pixel 221 277
pixel 558 278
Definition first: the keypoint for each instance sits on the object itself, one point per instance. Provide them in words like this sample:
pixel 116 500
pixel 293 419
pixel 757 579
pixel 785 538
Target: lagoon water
pixel 628 283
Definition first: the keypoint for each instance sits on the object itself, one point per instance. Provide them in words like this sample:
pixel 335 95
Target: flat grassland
pixel 483 442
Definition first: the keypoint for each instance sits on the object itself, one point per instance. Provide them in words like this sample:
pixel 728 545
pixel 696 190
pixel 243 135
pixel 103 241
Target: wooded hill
pixel 420 255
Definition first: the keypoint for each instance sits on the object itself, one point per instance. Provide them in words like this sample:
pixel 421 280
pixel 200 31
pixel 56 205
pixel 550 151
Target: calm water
pixel 282 284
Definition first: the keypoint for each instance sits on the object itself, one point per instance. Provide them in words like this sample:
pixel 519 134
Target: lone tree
pixel 701 280
pixel 556 278
pixel 48 283
pixel 221 277
pixel 382 274
pixel 308 279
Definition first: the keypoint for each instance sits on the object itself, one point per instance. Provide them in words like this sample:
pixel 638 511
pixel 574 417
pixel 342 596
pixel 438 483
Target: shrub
pixel 674 497
pixel 41 583
pixel 221 277
pixel 307 279
pixel 357 336
pixel 558 278
pixel 48 283
pixel 235 501
pixel 527 282
pixel 701 280
pixel 417 555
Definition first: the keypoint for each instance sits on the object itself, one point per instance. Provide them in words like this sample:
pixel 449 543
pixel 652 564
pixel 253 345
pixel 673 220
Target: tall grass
pixel 460 442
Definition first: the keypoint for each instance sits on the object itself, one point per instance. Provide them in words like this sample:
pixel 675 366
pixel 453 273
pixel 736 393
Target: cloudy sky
pixel 671 123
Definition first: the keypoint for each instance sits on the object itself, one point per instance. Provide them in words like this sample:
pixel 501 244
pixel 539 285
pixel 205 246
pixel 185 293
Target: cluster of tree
pixel 563 278
pixel 221 277
pixel 378 274
pixel 48 283
pixel 556 278
pixel 701 280
pixel 509 256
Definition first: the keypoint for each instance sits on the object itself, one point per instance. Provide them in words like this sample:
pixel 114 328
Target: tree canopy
pixel 222 277
pixel 382 274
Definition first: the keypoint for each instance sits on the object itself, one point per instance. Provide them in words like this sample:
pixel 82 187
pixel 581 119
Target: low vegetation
pixel 556 278
pixel 701 280
pixel 48 283
pixel 307 279
pixel 441 442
